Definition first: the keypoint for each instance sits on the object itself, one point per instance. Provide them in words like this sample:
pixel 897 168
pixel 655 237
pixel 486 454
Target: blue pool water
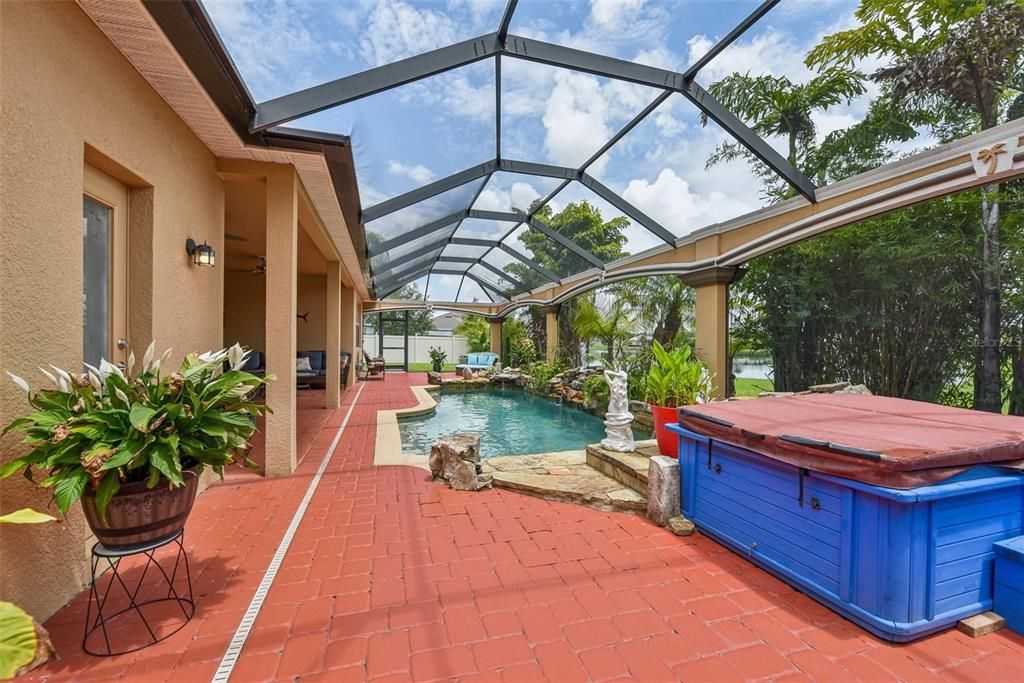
pixel 509 421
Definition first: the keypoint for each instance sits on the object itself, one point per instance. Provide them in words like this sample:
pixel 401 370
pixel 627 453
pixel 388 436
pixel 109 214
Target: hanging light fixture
pixel 202 254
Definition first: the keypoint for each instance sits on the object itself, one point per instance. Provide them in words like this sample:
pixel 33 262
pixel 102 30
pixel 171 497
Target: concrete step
pixel 630 469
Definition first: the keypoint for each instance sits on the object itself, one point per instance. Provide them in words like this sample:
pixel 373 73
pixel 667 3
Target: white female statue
pixel 618 418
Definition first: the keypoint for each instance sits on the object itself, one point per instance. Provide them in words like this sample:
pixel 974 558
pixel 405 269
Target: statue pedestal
pixel 620 436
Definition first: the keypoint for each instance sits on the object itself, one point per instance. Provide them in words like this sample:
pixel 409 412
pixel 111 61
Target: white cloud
pixel 611 15
pixel 575 119
pixel 418 172
pixel 672 202
pixel 395 30
pixel 519 195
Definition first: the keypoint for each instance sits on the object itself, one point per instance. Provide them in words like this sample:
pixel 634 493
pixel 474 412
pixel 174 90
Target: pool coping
pixel 387 449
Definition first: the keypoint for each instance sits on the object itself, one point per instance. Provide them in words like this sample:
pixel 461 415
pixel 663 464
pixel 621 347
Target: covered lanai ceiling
pixel 453 167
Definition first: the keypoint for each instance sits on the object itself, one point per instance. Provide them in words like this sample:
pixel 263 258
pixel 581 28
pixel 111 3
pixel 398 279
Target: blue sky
pixel 425 131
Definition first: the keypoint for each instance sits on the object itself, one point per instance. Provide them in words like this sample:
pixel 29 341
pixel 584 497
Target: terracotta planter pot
pixel 138 516
pixel 668 442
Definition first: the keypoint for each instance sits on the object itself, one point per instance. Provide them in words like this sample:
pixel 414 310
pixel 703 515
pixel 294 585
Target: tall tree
pixel 582 223
pixel 776 106
pixel 662 304
pixel 952 57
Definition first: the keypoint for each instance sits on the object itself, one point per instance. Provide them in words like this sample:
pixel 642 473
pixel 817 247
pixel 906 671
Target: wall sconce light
pixel 202 254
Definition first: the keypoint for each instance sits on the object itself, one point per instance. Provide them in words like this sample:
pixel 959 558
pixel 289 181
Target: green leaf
pixel 12 467
pixel 26 516
pixel 165 460
pixel 122 457
pixel 213 429
pixel 140 416
pixel 109 486
pixel 69 489
pixel 18 640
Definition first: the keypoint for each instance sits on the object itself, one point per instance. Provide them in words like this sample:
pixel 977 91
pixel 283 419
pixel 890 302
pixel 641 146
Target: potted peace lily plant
pixel 676 378
pixel 437 357
pixel 131 445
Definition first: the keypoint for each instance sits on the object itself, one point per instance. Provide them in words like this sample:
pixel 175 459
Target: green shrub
pixel 595 389
pixel 541 373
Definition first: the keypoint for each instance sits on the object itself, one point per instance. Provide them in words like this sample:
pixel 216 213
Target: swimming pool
pixel 509 421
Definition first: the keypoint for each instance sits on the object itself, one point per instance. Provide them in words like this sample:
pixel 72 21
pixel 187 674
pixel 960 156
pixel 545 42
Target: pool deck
pixel 392 577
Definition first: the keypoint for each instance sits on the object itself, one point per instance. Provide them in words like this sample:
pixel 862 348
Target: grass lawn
pixel 752 387
pixel 427 367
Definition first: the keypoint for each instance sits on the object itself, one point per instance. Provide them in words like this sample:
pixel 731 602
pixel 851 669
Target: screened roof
pixel 467 117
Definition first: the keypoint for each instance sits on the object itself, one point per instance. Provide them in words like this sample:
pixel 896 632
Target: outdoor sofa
pixel 316 376
pixel 479 361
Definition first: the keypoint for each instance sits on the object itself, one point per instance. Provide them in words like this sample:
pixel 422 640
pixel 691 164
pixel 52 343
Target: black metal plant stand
pixel 96 619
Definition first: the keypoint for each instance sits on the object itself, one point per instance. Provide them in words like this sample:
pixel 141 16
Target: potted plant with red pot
pixel 131 445
pixel 676 378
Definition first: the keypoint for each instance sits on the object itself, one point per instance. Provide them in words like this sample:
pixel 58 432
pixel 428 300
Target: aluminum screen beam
pixel 456 259
pixel 487 286
pixel 731 36
pixel 610 67
pixel 529 262
pixel 429 190
pixel 506 20
pixel 633 123
pixel 567 243
pixel 506 216
pixel 401 280
pixel 350 88
pixel 544 170
pixel 378 273
pixel 423 230
pixel 505 276
pixel 627 208
pixel 474 242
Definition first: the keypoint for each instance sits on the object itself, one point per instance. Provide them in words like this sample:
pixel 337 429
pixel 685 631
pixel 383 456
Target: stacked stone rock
pixel 455 459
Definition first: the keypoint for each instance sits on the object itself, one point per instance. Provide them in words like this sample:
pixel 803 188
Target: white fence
pixel 419 347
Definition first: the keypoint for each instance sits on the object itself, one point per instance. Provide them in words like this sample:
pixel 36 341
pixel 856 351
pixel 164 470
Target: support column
pixel 712 321
pixel 333 334
pixel 282 284
pixel 496 324
pixel 551 331
pixel 349 332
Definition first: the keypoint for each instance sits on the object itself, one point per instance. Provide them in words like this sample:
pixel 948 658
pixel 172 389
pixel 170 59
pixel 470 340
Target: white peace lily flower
pixel 20 382
pixel 147 357
pixel 166 356
pixel 236 356
pixel 121 395
pixel 50 376
pixel 63 386
pixel 62 374
pixel 107 368
pixel 94 380
pixel 131 362
pixel 93 369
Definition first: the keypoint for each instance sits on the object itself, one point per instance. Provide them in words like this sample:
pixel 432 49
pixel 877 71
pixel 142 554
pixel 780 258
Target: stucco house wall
pixel 66 92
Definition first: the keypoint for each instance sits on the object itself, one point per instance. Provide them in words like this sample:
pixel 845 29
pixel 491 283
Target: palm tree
pixel 614 327
pixel 952 58
pixel 776 106
pixel 662 304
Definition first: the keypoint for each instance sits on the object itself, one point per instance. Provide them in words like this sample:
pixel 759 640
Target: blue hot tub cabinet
pixel 901 563
pixel 1009 588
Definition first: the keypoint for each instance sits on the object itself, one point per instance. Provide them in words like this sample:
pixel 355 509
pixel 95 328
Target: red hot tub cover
pixel 889 442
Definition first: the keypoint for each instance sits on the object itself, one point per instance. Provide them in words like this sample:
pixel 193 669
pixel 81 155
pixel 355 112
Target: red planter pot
pixel 668 442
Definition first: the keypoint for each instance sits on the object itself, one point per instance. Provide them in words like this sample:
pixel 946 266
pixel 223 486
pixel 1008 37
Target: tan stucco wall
pixel 64 86
pixel 311 333
pixel 245 300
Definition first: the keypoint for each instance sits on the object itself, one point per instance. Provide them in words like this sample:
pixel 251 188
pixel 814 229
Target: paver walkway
pixel 392 577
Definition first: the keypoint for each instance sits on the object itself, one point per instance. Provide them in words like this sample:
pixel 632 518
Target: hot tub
pixel 902 544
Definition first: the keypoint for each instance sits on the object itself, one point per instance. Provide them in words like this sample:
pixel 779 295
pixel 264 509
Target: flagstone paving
pixel 392 577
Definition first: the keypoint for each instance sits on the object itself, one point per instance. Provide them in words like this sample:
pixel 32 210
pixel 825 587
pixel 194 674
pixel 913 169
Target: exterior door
pixel 104 268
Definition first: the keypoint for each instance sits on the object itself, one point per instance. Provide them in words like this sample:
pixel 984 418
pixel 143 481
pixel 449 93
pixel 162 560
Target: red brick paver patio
pixel 392 577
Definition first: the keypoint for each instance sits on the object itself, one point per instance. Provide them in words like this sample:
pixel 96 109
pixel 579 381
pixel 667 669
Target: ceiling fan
pixel 259 269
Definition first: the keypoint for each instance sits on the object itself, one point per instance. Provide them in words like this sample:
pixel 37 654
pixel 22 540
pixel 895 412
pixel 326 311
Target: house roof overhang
pixel 173 45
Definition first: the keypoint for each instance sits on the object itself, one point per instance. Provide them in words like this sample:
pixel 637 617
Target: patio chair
pixel 373 366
